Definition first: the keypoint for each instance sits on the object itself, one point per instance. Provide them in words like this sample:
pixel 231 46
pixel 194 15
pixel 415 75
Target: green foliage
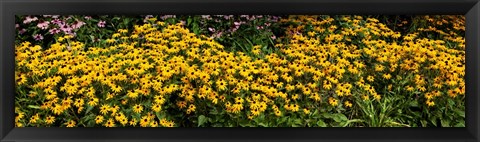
pixel 347 50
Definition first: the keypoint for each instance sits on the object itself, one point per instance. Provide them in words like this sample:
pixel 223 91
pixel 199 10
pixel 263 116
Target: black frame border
pixel 10 8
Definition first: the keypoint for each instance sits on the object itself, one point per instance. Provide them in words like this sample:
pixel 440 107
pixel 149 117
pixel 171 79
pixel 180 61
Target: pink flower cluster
pixel 54 24
pixel 243 20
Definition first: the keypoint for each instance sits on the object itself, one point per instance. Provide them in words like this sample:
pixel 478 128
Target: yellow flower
pixel 370 78
pixel 327 85
pixel 430 103
pixel 34 118
pixel 315 97
pixel 79 102
pixel 333 101
pixel 221 84
pixel 132 94
pixel 133 122
pixel 98 119
pixel 278 112
pixel 93 102
pixel 110 40
pixel 348 104
pixel 50 119
pixel 306 111
pixel 137 108
pixel 377 97
pixel 71 123
pixel 156 107
pixel 104 109
pixel 110 123
pixel 116 89
pixel 145 121
pixel 294 96
pixel 387 76
pixel 379 68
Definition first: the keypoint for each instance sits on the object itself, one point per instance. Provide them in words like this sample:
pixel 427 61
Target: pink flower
pixel 43 25
pixel 234 29
pixel 227 16
pixel 219 34
pixel 147 17
pixel 211 29
pixel 29 19
pixel 17 26
pixel 57 21
pixel 77 24
pixel 38 37
pixel 101 24
pixel 88 17
pixel 53 16
pixel 22 31
pixel 65 28
pixel 54 31
pixel 167 16
pixel 206 17
pixel 275 18
pixel 274 37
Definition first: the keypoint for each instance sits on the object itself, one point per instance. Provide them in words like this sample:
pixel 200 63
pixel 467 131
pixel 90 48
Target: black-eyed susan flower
pixel 99 119
pixel 333 101
pixel 110 123
pixel 50 119
pixel 137 108
pixel 70 123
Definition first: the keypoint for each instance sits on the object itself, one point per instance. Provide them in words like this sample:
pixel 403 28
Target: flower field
pixel 240 71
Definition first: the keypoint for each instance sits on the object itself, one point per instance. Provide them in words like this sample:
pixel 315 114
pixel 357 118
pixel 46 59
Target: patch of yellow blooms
pixel 132 78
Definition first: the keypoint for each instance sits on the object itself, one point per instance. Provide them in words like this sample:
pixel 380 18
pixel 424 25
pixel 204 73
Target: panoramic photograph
pixel 240 71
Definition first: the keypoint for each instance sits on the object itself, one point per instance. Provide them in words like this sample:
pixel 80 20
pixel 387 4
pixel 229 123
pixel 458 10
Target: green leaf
pixel 263 124
pixel 89 108
pixel 424 123
pixel 159 116
pixel 459 112
pixel 451 102
pixel 195 29
pixel 327 115
pixel 460 124
pixel 297 121
pixel 32 106
pixel 445 123
pixel 217 125
pixel 433 120
pixel 340 117
pixel 282 120
pixel 315 114
pixel 201 119
pixel 414 104
pixel 189 21
pixel 321 123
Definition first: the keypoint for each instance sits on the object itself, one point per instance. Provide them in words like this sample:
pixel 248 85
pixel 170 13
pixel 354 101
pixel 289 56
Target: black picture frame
pixel 10 8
